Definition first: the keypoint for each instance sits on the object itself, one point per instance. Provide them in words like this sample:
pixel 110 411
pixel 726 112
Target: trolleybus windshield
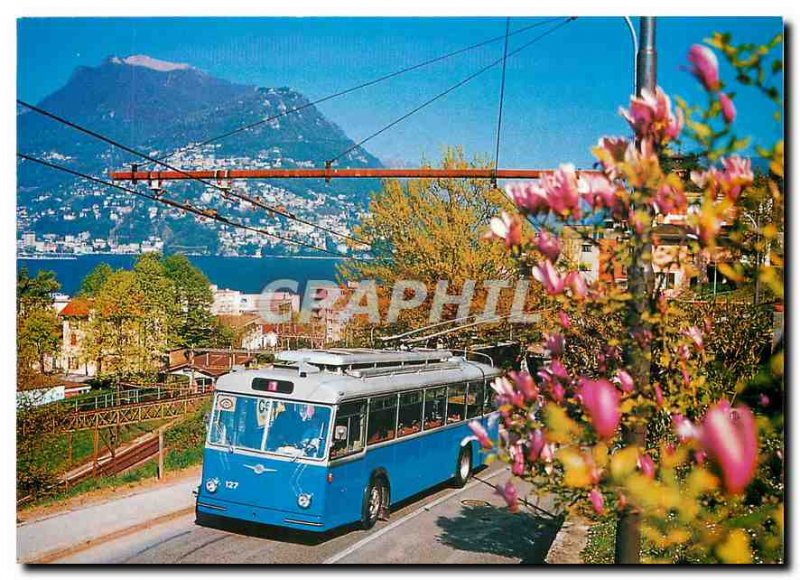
pixel 269 425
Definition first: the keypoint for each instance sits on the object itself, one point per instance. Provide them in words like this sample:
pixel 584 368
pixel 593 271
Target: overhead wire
pixel 209 214
pixel 500 104
pixel 225 191
pixel 355 88
pixel 447 91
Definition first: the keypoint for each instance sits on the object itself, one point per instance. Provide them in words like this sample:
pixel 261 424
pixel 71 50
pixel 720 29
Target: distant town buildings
pixel 92 214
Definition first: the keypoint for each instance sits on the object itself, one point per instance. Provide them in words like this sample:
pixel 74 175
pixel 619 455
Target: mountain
pixel 158 107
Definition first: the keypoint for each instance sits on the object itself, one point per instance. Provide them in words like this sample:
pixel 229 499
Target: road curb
pixel 569 542
pixel 52 556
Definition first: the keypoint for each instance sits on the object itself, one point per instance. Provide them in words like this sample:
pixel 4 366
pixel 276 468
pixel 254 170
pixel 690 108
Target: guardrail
pixel 133 396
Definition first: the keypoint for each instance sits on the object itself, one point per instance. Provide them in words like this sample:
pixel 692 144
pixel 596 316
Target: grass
pixel 184 441
pixel 55 455
pixel 600 544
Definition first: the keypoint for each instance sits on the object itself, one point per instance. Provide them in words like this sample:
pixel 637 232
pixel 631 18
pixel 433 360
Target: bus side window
pixel 489 398
pixel 350 421
pixel 474 400
pixel 456 399
pixel 410 415
pixel 382 419
pixel 435 402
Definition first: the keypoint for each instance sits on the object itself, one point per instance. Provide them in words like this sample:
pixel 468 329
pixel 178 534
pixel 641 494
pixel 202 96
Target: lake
pixel 248 275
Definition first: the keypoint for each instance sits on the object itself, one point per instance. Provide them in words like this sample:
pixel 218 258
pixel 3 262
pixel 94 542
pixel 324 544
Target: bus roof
pixel 329 383
pixel 352 357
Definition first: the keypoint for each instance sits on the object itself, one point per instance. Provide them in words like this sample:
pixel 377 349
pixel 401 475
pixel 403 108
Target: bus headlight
pixel 212 485
pixel 304 500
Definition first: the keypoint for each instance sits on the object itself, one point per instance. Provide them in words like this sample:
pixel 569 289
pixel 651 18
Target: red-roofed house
pixel 203 368
pixel 74 318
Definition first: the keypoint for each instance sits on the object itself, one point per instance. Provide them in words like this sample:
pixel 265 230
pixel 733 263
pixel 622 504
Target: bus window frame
pixel 424 404
pixel 260 452
pixel 459 385
pixel 421 392
pixel 364 419
pixel 396 396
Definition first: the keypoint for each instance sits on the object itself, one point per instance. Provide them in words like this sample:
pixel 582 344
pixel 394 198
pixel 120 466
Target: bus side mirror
pixel 206 417
pixel 340 433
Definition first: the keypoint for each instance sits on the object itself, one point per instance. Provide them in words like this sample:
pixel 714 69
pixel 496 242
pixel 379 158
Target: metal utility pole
pixel 640 284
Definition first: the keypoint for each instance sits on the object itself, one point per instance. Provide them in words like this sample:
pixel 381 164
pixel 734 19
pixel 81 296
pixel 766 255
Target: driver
pixel 285 427
pixel 313 427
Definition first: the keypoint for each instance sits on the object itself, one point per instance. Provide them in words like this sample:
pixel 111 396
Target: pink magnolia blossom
pixel 659 395
pixel 685 430
pixel 696 336
pixel 625 381
pixel 705 66
pixel 507 393
pixel 548 245
pixel 554 343
pixel 557 391
pixel 535 444
pixel 563 319
pixel 525 385
pixel 561 188
pixel 668 200
pixel 728 108
pixel 529 197
pixel 509 493
pixel 598 502
pixel 611 151
pixel 518 464
pixel 646 465
pixel 737 174
pixel 558 370
pixel 507 228
pixel 546 274
pixel 729 436
pixel 598 191
pixel 480 434
pixel 651 118
pixel 763 400
pixel 600 399
pixel 700 457
pixel 577 283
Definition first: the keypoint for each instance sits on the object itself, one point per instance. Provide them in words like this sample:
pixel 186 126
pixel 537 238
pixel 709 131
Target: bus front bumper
pixel 210 509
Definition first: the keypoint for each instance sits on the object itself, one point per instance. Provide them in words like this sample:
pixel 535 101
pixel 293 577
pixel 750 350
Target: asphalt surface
pixel 442 526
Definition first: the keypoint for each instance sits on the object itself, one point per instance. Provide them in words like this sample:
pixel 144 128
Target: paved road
pixel 464 526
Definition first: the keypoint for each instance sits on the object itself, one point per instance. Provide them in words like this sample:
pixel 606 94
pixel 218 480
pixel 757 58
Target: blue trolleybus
pixel 332 437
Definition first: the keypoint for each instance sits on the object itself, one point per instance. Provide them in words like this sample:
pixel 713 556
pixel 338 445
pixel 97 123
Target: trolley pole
pixel 640 284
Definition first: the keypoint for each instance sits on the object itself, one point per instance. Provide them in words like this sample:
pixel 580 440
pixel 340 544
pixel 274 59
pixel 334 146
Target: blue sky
pixel 561 94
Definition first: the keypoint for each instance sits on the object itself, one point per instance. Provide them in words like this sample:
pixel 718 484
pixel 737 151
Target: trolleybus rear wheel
pixel 463 466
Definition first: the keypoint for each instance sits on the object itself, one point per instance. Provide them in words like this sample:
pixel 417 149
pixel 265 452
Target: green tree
pixel 35 292
pixel 429 230
pixel 38 337
pixel 194 324
pixel 94 280
pixel 37 330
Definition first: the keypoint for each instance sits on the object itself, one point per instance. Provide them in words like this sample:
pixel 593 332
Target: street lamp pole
pixel 640 284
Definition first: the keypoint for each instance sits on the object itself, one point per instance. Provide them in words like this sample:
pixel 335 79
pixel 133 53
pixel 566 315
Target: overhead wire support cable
pixel 449 90
pixel 225 191
pixel 352 89
pixel 178 205
pixel 500 105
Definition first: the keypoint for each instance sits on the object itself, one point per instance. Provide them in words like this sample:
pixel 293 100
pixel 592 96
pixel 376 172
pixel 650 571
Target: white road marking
pixel 419 511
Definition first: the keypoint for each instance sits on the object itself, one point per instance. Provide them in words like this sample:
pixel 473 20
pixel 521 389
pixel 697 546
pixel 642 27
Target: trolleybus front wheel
pixel 463 466
pixel 376 502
